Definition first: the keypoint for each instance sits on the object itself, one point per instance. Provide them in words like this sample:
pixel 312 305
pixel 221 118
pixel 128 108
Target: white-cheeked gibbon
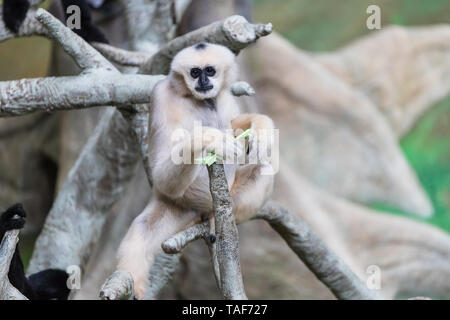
pixel 197 92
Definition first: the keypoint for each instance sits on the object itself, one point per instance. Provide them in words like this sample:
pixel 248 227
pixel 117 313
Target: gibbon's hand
pixel 220 143
pixel 14 13
pixel 259 149
pixel 13 218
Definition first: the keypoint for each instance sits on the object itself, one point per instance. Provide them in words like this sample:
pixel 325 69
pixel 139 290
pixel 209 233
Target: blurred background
pixel 365 125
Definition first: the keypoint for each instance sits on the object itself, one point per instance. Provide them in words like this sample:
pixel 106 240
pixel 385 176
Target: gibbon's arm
pixel 15 11
pixel 252 120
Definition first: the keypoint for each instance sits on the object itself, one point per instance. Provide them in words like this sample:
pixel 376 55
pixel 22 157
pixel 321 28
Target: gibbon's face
pixel 206 69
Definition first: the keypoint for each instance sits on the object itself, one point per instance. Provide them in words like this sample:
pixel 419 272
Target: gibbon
pixel 44 285
pixel 197 92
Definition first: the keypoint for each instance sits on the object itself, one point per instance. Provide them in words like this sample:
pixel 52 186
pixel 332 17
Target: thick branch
pixel 325 264
pixel 7 249
pixel 231 283
pixel 234 32
pixel 99 88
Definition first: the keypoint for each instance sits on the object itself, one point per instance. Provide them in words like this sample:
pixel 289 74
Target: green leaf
pixel 244 135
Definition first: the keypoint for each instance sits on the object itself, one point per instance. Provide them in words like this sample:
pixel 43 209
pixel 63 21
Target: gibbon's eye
pixel 196 72
pixel 210 71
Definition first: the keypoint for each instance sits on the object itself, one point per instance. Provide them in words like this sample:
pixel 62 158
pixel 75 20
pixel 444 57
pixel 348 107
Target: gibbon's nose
pixel 203 80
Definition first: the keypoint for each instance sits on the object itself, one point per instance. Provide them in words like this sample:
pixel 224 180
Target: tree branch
pixel 7 249
pixel 234 32
pixel 231 283
pixel 329 268
pixel 84 55
pixel 100 88
pixel 121 56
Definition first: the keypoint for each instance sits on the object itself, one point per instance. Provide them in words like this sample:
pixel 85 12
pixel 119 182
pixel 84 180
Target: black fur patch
pixel 88 30
pixel 47 284
pixel 14 12
pixel 200 46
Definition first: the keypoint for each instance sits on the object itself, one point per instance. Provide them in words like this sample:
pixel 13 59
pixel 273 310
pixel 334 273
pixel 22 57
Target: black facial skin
pixel 203 84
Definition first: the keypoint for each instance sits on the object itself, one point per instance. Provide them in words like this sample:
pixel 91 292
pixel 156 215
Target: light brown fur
pixel 181 191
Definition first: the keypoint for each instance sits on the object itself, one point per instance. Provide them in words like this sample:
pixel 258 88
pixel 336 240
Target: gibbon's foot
pixel 14 13
pixel 9 221
pixel 139 290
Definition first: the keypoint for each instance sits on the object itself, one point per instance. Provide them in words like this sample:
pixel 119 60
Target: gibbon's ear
pixel 14 12
pixel 88 30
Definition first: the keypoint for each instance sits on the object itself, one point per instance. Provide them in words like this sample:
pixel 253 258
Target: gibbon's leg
pixel 159 221
pixel 250 188
pixel 250 191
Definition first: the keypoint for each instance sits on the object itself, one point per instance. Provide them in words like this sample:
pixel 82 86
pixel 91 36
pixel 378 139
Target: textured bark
pixel 233 32
pixel 121 56
pixel 7 249
pixel 100 88
pixel 231 283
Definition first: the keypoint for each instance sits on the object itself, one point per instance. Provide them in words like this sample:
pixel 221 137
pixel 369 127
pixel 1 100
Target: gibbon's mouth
pixel 204 88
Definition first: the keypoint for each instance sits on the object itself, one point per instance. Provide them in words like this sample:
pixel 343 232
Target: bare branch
pixel 7 249
pixel 234 32
pixel 231 283
pixel 84 55
pixel 121 56
pixel 325 264
pixel 98 88
pixel 119 286
pixel 242 88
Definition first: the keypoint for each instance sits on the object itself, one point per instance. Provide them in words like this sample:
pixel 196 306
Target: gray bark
pixel 231 284
pixel 7 249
